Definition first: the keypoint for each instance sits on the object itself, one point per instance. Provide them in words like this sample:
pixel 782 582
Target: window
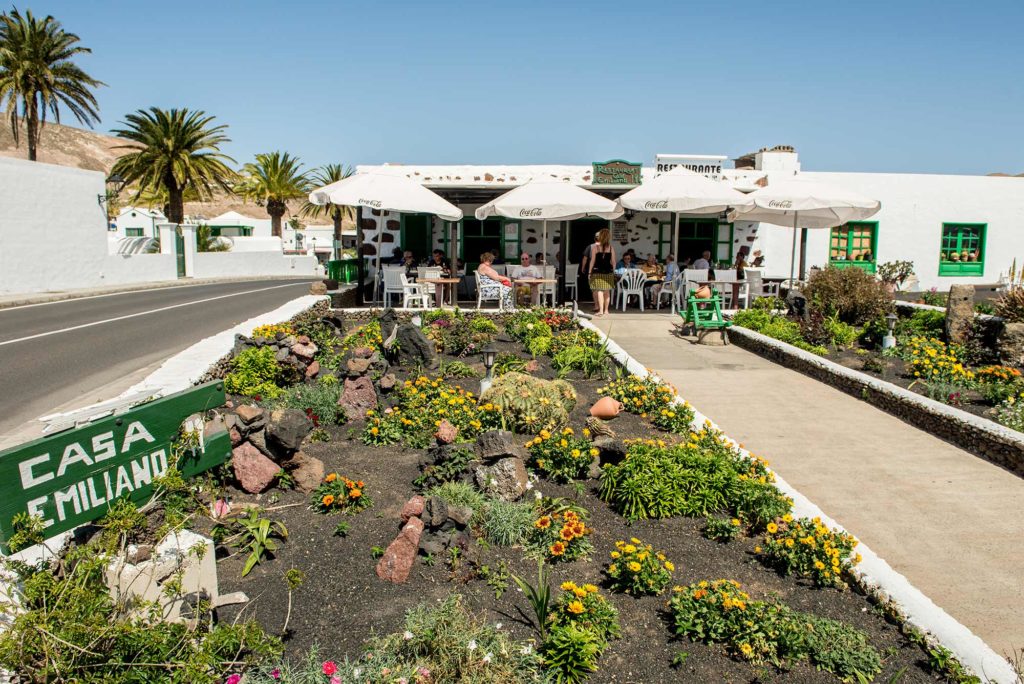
pixel 963 249
pixel 133 232
pixel 854 244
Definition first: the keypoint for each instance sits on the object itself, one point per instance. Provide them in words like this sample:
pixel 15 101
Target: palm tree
pixel 275 178
pixel 325 175
pixel 174 151
pixel 37 75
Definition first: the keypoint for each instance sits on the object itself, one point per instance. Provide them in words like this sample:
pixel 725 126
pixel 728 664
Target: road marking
pixel 146 313
pixel 69 300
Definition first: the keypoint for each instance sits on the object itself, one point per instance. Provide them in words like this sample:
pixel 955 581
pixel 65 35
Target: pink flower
pixel 335 680
pixel 275 673
pixel 220 508
pixel 330 668
pixel 233 679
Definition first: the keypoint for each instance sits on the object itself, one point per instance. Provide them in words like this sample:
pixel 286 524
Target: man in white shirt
pixel 703 263
pixel 526 270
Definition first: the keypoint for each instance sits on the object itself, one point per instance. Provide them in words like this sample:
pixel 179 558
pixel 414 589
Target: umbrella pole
pixel 675 236
pixel 544 245
pixel 377 276
pixel 792 256
pixel 361 260
pixel 803 253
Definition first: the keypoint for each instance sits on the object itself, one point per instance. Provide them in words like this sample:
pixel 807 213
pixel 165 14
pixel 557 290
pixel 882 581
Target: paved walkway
pixel 950 522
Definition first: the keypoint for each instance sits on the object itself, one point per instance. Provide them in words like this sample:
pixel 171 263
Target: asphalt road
pixel 53 354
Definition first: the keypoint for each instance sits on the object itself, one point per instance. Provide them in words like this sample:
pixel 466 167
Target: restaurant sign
pixel 73 477
pixel 709 165
pixel 616 172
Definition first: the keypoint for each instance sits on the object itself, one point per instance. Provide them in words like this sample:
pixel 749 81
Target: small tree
pixel 895 273
pixel 325 175
pixel 273 180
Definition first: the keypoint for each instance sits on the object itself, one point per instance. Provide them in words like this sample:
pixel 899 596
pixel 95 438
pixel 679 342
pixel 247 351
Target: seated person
pixel 671 268
pixel 411 267
pixel 652 268
pixel 526 270
pixel 438 260
pixel 703 263
pixel 625 263
pixel 758 259
pixel 397 257
pixel 492 283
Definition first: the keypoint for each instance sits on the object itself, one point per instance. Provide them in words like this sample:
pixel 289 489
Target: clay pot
pixel 605 408
pixel 703 292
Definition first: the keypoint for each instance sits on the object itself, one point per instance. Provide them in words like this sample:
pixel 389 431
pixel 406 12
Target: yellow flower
pixel 789 543
pixel 568 586
pixel 633 566
pixel 615 554
pixel 575 607
pixel 613 567
pixel 594 451
pixel 580 592
pixel 819 565
pixel 772 528
pixel 590 588
pixel 669 566
pixel 735 522
pixel 629 548
pixel 788 517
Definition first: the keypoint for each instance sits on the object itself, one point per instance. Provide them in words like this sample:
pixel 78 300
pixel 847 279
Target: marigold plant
pixel 642 396
pixel 270 330
pixel 561 456
pixel 932 361
pixel 368 335
pixel 338 494
pixel 675 418
pixel 560 535
pixel 421 406
pixel 998 383
pixel 582 606
pixel 807 547
pixel 636 568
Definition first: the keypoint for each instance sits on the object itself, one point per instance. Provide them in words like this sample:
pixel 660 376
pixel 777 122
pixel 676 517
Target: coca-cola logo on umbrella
pixel 369 203
pixel 535 211
pixel 780 204
pixel 659 204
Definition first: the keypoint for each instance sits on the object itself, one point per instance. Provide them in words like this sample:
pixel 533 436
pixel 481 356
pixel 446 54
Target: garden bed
pixel 704 487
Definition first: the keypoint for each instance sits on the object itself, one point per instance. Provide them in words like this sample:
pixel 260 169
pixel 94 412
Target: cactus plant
pixel 530 404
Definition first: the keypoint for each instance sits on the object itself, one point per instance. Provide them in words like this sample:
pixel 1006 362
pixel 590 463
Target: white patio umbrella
pixel 549 199
pixel 385 192
pixel 806 204
pixel 682 191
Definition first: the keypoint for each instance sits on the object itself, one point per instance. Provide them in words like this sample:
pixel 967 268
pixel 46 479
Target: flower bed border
pixel 982 437
pixel 873 575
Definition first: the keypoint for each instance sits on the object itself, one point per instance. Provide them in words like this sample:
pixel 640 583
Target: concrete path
pixel 950 522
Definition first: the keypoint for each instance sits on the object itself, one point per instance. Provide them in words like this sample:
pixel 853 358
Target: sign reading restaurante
pixel 616 172
pixel 73 477
pixel 709 165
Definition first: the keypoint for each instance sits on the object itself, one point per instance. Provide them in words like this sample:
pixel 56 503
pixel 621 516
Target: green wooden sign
pixel 73 477
pixel 616 172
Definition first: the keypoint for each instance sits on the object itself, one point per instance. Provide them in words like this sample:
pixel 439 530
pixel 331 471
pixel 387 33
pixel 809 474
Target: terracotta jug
pixel 605 408
pixel 703 292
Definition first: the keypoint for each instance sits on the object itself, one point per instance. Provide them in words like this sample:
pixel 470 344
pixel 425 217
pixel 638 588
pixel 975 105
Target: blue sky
pixel 860 86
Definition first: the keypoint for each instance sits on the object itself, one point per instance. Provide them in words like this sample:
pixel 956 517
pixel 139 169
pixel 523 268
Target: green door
pixel 179 251
pixel 417 234
pixel 482 236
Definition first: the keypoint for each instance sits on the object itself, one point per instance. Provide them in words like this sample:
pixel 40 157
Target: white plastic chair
pixel 549 290
pixel 413 294
pixel 480 298
pixel 689 276
pixel 393 279
pixel 500 269
pixel 572 274
pixel 632 284
pixel 430 272
pixel 672 290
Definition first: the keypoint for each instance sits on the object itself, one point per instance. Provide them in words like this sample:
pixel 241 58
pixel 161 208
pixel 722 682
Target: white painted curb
pixel 873 572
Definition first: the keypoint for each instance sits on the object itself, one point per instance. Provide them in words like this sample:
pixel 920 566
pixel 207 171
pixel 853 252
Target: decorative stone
pixel 959 313
pixel 362 352
pixel 599 428
pixel 249 413
pixel 388 322
pixel 388 382
pixel 357 367
pixel 506 479
pixel 358 397
pixel 254 471
pixel 796 303
pixel 496 444
pixel 435 512
pixel 532 366
pixel 446 433
pixel 606 408
pixel 413 507
pixel 236 436
pixel 307 471
pixel 317 289
pixel 1011 344
pixel 312 370
pixel 414 349
pixel 460 515
pixel 282 354
pixel 286 429
pixel 611 450
pixel 397 561
pixel 304 351
pixel 302 339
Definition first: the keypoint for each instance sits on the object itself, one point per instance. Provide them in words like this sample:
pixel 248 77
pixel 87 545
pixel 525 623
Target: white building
pixel 137 222
pixel 955 229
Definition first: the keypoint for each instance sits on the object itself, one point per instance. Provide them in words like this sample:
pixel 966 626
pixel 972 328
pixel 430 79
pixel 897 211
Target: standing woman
pixel 491 282
pixel 600 271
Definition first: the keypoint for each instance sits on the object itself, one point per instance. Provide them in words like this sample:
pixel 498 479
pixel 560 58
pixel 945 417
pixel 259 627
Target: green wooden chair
pixel 704 314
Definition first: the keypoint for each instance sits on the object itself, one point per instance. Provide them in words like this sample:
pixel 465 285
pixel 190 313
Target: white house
pixel 956 229
pixel 136 222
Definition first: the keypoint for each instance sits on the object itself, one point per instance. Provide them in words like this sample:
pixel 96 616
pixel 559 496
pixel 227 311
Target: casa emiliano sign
pixel 616 172
pixel 73 477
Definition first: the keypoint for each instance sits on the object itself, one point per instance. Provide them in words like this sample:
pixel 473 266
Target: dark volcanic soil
pixel 342 601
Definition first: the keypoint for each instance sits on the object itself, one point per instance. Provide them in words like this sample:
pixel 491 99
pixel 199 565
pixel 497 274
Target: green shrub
pixel 507 362
pixel 722 529
pixel 448 470
pixel 852 294
pixel 460 494
pixel 507 524
pixel 529 404
pixel 571 654
pixel 705 476
pixel 525 324
pixel 561 456
pixel 840 334
pixel 591 361
pixel 318 400
pixel 921 323
pixel 769 631
pixel 71 630
pixel 1010 414
pixel 458 335
pixel 254 373
pixel 457 369
pixel 1010 305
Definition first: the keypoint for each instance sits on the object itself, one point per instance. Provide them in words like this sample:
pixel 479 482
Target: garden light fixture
pixel 115 184
pixel 889 341
pixel 489 353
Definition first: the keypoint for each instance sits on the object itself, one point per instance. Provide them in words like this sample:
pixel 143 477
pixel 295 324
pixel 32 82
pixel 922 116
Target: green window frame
pixel 470 256
pixel 851 242
pixel 664 238
pixel 134 232
pixel 962 249
pixel 723 243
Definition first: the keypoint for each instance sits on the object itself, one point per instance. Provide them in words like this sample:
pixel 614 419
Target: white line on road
pixel 146 313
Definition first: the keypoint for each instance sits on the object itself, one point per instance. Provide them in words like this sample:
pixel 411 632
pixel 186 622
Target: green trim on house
pixel 849 242
pixel 962 249
pixel 722 241
pixel 134 232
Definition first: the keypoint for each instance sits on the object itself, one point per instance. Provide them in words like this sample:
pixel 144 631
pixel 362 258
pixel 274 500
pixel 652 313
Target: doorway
pixel 581 235
pixel 483 236
pixel 417 234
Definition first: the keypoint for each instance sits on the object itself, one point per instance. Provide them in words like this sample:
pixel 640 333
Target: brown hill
pixel 69 146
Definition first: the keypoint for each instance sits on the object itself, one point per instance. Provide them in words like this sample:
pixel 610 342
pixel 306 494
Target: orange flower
pixel 331 478
pixel 355 493
pixel 557 549
pixel 360 484
pixel 543 523
pixel 327 500
pixel 567 533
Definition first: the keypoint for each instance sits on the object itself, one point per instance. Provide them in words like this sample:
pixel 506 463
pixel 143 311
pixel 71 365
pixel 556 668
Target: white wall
pixel 243 264
pixel 914 207
pixel 53 232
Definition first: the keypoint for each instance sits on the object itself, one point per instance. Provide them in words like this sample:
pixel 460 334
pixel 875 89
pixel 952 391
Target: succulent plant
pixel 530 404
